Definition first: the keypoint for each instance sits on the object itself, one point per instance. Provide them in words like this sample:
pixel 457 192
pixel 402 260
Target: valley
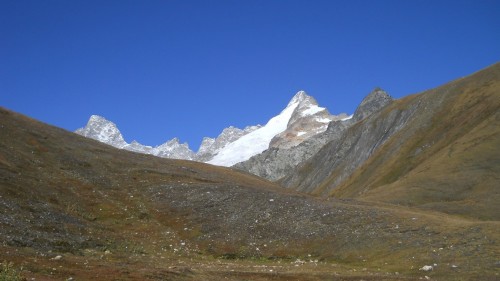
pixel 405 190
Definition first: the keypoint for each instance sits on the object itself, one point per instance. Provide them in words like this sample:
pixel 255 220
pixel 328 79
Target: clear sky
pixel 188 69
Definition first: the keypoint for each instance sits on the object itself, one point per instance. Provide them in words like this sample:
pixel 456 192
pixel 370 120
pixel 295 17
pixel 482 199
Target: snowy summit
pixel 301 119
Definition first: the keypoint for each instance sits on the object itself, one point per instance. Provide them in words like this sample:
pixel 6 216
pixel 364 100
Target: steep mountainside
pixel 437 150
pixel 74 208
pixel 278 162
pixel 448 161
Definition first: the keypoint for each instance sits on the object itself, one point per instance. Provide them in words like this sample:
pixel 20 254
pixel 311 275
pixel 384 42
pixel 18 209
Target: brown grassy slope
pixel 49 176
pixel 450 164
pixel 119 215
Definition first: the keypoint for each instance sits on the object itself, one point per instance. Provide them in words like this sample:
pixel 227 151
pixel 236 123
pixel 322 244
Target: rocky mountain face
pixel 374 102
pixel 302 119
pixel 278 162
pixel 103 130
pixel 307 120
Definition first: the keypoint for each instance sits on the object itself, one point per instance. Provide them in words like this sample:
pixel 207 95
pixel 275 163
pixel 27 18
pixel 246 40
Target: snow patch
pixel 347 118
pixel 323 120
pixel 312 110
pixel 255 142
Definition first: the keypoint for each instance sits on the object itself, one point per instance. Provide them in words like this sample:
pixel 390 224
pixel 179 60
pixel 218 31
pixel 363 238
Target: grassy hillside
pixel 449 162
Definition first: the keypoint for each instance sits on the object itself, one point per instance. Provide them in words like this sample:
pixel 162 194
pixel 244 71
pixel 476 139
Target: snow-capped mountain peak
pixel 299 97
pixel 307 120
pixel 103 130
pixel 301 119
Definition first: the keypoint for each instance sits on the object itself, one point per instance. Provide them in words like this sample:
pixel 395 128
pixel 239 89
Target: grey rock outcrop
pixel 374 102
pixel 175 150
pixel 102 130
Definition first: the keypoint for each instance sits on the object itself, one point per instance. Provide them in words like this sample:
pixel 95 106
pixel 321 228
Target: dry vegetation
pixel 74 209
pixel 448 162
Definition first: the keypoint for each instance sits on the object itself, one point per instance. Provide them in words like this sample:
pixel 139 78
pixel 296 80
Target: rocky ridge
pixel 302 119
pixel 105 131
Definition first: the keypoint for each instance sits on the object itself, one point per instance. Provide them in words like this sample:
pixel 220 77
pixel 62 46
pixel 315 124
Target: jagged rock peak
pixel 172 145
pixel 376 100
pixel 308 119
pixel 173 141
pixel 174 149
pixel 302 97
pixel 103 130
pixel 98 118
pixel 134 142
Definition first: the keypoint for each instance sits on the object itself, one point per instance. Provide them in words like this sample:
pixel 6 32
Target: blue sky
pixel 188 69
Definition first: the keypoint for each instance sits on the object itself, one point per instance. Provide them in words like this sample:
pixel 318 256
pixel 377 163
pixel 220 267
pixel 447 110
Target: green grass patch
pixel 9 273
